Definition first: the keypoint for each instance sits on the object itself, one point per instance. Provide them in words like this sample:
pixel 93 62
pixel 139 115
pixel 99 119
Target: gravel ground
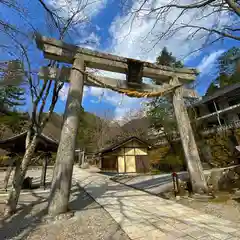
pixel 225 206
pixel 90 220
pixel 35 173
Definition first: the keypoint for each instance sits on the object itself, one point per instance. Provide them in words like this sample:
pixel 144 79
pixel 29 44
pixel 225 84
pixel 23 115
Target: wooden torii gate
pixel 171 80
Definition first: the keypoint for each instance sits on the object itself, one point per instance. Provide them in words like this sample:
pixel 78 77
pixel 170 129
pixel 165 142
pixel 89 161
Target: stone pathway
pixel 144 216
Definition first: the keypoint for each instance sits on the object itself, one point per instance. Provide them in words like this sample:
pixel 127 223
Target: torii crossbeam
pixel 135 70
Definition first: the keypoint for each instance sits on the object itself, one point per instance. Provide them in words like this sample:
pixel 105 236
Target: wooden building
pixel 128 156
pixel 16 146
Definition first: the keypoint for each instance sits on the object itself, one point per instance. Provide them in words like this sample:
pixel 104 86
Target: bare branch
pixel 234 5
pixel 224 34
pixel 43 103
pixel 161 12
pixel 52 15
pixel 199 4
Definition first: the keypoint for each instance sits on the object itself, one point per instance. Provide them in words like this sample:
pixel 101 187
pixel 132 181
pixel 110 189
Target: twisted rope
pixel 127 92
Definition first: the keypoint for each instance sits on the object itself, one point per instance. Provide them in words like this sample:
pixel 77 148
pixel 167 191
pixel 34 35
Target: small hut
pixel 17 143
pixel 16 147
pixel 127 156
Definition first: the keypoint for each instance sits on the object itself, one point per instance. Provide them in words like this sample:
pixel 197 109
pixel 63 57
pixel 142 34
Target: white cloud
pixel 83 10
pixel 95 91
pixel 135 37
pixel 208 71
pixel 81 14
pixel 207 63
pixel 91 41
pixel 120 113
pixel 123 104
pixel 63 93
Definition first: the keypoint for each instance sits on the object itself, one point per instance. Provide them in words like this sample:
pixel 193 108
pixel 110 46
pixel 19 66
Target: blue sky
pixel 109 30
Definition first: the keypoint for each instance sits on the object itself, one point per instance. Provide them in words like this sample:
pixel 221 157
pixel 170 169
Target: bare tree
pixel 39 91
pixel 177 16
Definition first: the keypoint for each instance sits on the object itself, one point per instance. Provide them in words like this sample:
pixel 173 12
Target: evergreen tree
pixel 160 110
pixel 227 62
pixel 167 59
pixel 228 70
pixel 11 96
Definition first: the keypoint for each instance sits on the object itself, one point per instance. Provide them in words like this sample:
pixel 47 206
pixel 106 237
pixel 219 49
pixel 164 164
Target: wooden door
pixel 130 164
pixel 142 163
pixel 109 163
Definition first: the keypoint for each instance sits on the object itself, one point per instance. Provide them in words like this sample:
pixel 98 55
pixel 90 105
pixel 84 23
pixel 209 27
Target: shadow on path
pixel 31 213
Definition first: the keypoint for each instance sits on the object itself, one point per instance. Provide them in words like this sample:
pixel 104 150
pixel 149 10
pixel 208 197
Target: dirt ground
pixel 90 220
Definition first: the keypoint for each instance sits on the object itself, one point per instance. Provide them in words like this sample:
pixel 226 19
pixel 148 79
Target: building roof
pixel 17 143
pixel 123 142
pixel 218 93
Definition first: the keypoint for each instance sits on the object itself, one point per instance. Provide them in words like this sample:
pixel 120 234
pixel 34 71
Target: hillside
pixel 90 127
pixel 12 123
pixel 94 133
pixel 53 127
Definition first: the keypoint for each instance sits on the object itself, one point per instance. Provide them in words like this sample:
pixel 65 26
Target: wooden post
pixel 192 158
pixel 79 158
pixel 44 171
pixel 8 174
pixel 83 157
pixel 62 175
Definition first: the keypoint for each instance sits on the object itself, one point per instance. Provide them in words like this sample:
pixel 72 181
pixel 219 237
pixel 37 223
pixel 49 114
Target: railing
pixel 164 141
pixel 206 131
pixel 219 112
pixel 233 125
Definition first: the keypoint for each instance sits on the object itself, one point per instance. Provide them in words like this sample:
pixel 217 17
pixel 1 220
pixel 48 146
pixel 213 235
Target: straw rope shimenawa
pixel 127 92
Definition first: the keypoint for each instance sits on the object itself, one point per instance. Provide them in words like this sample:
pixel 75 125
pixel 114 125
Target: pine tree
pixel 167 59
pixel 11 96
pixel 160 110
pixel 228 70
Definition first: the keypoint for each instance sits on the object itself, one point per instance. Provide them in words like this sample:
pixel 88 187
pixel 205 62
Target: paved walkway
pixel 144 216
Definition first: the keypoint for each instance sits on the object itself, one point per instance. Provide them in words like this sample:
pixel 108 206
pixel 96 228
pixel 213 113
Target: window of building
pixel 233 102
pixel 212 124
pixel 212 108
pixel 222 121
pixel 216 123
pixel 197 111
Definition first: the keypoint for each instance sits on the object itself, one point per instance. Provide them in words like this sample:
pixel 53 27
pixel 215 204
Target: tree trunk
pixel 8 174
pixel 62 175
pixel 44 171
pixel 18 178
pixel 195 169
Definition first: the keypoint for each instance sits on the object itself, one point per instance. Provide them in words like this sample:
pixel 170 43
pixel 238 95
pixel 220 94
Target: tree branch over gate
pixel 223 18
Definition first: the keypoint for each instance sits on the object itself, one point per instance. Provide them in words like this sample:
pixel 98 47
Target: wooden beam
pixel 190 93
pixel 64 73
pixel 58 50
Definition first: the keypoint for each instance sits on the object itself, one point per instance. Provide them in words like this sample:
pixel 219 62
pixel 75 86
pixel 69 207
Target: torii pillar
pixel 62 175
pixel 192 158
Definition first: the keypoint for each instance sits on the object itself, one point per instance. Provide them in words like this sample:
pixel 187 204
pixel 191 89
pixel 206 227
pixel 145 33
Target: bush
pixel 164 159
pixel 4 161
pixel 155 171
pixel 221 148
